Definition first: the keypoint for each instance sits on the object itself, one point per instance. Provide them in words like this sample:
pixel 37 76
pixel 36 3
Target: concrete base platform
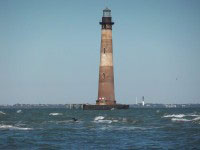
pixel 104 107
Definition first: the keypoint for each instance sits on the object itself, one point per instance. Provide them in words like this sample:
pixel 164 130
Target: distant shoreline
pixel 78 106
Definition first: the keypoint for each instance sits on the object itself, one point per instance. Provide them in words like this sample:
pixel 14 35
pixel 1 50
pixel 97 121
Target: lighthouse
pixel 106 92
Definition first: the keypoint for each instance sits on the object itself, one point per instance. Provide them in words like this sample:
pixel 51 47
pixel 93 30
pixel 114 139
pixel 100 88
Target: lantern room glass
pixel 106 12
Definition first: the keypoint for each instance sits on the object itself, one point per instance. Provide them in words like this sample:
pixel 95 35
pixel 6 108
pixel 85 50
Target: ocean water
pixel 117 129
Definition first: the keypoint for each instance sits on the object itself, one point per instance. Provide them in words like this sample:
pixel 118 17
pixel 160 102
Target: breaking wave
pixel 10 127
pixel 180 115
pixel 174 115
pixel 183 117
pixel 55 114
pixel 2 113
pixel 180 120
pixel 193 115
pixel 196 119
pixel 19 111
pixel 103 121
pixel 99 118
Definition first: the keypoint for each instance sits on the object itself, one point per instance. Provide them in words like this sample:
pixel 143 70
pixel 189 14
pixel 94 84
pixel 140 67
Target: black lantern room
pixel 106 19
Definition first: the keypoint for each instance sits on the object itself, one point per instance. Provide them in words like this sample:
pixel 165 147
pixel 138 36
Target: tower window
pixel 103 76
pixel 104 50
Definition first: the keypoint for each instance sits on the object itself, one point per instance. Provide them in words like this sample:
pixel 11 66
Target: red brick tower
pixel 106 93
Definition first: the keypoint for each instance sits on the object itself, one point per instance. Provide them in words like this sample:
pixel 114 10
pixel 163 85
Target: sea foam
pixel 196 119
pixel 104 121
pixel 10 127
pixel 99 118
pixel 2 113
pixel 174 115
pixel 19 111
pixel 55 114
pixel 180 120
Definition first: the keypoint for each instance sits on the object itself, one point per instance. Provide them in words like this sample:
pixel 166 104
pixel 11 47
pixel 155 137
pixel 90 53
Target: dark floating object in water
pixel 74 119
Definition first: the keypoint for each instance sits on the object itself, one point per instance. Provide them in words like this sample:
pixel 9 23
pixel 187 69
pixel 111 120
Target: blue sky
pixel 49 50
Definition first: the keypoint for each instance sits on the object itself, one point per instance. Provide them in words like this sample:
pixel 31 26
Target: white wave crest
pixel 1 112
pixel 99 118
pixel 193 115
pixel 103 121
pixel 196 119
pixel 180 120
pixel 114 120
pixel 55 114
pixel 174 115
pixel 10 127
pixel 19 111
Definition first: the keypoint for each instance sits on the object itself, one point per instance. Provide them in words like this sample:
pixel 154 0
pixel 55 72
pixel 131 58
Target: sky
pixel 50 50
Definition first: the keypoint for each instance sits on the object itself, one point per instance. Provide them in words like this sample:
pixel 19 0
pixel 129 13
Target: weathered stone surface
pixel 106 93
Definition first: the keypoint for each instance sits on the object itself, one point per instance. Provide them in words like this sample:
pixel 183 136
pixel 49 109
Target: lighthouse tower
pixel 106 93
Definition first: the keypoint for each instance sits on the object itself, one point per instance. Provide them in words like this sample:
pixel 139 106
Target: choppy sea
pixel 48 128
